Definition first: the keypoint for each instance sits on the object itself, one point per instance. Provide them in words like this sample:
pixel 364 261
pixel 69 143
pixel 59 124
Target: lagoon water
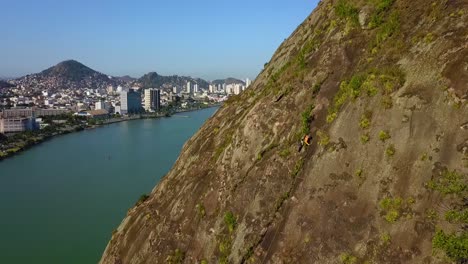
pixel 61 200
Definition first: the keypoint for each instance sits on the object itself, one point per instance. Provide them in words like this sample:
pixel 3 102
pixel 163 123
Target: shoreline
pixel 44 139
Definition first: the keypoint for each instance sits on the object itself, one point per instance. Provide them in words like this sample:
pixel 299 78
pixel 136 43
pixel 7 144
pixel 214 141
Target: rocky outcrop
pixel 381 88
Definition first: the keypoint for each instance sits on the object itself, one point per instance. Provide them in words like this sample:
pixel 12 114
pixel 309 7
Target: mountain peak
pixel 153 79
pixel 70 63
pixel 68 74
pixel 72 70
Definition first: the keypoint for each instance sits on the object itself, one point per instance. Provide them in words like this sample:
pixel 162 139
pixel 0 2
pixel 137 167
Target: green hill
pixel 73 71
pixel 155 80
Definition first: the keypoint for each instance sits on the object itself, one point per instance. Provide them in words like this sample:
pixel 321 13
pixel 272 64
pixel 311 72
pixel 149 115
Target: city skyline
pixel 207 39
pixel 242 78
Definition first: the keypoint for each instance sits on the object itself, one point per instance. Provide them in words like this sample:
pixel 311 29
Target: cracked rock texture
pixel 386 105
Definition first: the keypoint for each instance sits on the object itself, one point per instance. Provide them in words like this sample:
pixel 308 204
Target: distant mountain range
pixel 126 78
pixel 71 74
pixel 153 79
pixel 229 80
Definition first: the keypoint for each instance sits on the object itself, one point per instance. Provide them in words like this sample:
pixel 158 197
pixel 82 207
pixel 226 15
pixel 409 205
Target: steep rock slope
pixel 381 86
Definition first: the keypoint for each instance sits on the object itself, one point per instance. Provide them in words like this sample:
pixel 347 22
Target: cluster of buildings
pixel 132 102
pixel 95 104
pixel 24 119
pixel 39 82
pixel 216 91
pixel 23 105
pixel 229 89
pixel 152 100
pixel 72 99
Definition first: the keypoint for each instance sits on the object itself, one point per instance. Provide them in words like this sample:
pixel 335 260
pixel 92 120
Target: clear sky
pixel 205 38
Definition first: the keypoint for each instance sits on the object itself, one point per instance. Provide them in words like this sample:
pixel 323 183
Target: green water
pixel 61 200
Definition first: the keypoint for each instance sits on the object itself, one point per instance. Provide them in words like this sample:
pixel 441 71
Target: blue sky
pixel 206 38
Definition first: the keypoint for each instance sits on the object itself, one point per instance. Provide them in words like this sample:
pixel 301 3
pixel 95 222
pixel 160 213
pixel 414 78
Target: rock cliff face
pixel 381 86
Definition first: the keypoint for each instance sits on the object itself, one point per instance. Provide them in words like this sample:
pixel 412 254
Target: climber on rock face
pixel 305 141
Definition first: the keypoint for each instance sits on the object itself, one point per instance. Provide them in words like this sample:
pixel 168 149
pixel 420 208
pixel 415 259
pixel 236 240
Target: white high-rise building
pixel 195 88
pixel 211 88
pixel 117 109
pixel 100 105
pixel 110 89
pixel 189 87
pixel 152 99
pixel 229 88
pixel 248 82
pixel 238 88
pixel 174 89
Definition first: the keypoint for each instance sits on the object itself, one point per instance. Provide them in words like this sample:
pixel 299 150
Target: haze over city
pixel 208 39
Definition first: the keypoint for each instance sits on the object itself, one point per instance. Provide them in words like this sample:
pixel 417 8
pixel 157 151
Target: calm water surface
pixel 60 201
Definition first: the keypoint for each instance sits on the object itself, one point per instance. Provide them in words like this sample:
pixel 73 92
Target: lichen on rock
pixel 324 203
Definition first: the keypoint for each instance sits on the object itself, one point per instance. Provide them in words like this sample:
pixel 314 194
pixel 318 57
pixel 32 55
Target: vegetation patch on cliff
pixel 449 182
pixel 453 245
pixel 387 80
